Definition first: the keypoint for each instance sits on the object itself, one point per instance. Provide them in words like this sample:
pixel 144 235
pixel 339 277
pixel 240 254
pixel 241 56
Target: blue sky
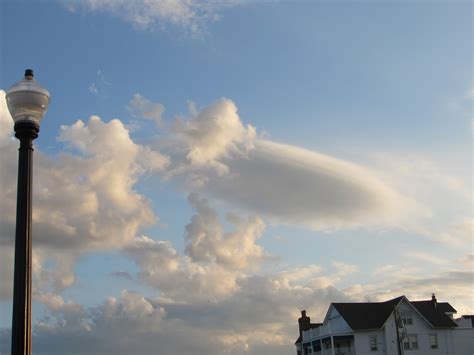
pixel 338 135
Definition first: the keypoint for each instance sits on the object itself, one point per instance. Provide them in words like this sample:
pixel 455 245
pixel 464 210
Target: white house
pixel 394 327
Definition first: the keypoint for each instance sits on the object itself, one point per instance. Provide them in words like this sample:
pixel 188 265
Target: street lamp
pixel 27 102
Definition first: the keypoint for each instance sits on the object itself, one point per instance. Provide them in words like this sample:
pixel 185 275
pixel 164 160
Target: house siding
pixel 464 341
pixel 362 342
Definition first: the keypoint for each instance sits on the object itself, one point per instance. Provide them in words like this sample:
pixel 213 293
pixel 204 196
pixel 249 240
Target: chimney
pixel 434 302
pixel 304 322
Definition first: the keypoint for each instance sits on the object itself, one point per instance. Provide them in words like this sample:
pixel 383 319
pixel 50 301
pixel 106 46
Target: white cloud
pixel 176 277
pixel 100 87
pixel 343 269
pixel 191 16
pixel 206 240
pixel 141 107
pixel 84 200
pixel 456 234
pixel 470 94
pixel 252 317
pixel 216 260
pixel 93 89
pixel 424 257
pixel 213 133
pixel 6 121
pixel 258 315
pixel 448 197
pixel 213 297
pixel 218 155
pixel 451 280
pixel 301 273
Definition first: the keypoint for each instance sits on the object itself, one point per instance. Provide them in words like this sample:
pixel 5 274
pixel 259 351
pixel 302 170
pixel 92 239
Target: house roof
pixel 436 315
pixel 372 315
pixel 368 315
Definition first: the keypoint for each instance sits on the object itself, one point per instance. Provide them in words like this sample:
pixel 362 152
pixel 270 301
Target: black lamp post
pixel 27 102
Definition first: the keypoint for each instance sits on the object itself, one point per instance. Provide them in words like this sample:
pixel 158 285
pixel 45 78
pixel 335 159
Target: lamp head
pixel 27 100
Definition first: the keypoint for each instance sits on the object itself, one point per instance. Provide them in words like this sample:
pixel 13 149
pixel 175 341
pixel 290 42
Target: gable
pixel 336 322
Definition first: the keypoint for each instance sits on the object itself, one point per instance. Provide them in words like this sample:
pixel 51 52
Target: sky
pixel 208 169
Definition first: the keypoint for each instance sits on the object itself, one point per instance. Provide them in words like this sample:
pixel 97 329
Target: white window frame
pixel 433 344
pixel 373 341
pixel 406 317
pixel 409 341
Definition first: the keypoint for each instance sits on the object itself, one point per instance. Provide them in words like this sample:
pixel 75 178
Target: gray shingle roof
pixel 368 315
pixel 436 315
pixel 372 315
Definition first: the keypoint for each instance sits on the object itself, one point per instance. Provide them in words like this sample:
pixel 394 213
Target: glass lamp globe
pixel 27 101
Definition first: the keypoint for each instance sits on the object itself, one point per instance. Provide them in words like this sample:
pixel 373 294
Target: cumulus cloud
pixel 176 276
pixel 214 262
pixel 191 16
pixel 213 133
pixel 255 315
pixel 212 297
pixel 140 107
pixel 84 198
pixel 252 318
pixel 206 240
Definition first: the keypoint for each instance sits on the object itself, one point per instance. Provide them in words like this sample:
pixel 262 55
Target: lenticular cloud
pixel 285 183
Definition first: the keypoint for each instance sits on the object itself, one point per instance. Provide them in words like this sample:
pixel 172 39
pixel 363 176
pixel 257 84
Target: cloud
pixel 447 197
pixel 191 16
pixel 213 133
pixel 456 234
pixel 176 276
pixel 260 313
pixel 141 107
pixel 251 317
pixel 424 257
pixel 470 94
pixel 217 154
pixel 214 262
pixel 256 315
pixel 218 266
pixel 214 296
pixel 343 269
pixel 451 281
pixel 93 89
pixel 206 240
pixel 84 198
pixel 100 87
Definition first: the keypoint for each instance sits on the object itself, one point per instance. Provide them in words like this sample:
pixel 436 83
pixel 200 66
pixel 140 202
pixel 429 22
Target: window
pixel 410 342
pixel 405 317
pixel 434 341
pixel 316 346
pixel 373 342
